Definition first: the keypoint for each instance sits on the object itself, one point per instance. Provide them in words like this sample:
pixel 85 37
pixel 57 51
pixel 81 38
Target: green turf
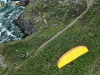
pixel 43 62
pixel 80 34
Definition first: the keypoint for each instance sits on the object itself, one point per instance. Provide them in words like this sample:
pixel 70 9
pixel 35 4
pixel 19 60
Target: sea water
pixel 8 31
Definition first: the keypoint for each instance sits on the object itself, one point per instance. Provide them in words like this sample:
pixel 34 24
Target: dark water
pixel 9 31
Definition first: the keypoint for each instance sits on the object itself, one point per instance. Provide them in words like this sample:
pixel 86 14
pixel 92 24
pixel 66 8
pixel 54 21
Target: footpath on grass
pixel 95 67
pixel 89 4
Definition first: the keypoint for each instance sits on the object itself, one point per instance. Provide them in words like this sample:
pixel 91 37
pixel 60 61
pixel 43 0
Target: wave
pixel 9 31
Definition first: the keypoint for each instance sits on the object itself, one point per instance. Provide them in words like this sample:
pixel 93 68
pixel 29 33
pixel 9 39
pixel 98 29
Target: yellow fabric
pixel 71 55
pixel 0 5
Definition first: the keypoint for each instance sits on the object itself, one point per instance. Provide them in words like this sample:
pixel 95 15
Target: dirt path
pixel 93 65
pixel 89 3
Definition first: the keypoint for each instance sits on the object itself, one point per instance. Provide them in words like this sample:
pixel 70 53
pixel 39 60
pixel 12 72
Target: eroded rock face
pixel 23 3
pixel 26 27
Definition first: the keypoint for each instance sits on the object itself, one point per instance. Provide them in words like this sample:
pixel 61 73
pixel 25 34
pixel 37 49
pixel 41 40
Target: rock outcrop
pixel 23 2
pixel 46 13
pixel 26 27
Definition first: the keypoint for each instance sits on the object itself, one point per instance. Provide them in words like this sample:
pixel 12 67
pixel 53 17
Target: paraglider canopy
pixel 0 5
pixel 71 55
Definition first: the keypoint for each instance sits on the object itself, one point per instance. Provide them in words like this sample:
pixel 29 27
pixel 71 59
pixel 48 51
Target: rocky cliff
pixel 44 13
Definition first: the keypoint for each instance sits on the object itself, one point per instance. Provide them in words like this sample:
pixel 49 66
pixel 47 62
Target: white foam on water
pixel 8 31
pixel 10 34
pixel 5 34
pixel 0 25
pixel 1 14
pixel 4 29
pixel 4 1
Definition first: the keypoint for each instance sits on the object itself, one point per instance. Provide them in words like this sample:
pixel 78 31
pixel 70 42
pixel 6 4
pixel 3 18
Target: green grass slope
pixel 43 62
pixel 17 51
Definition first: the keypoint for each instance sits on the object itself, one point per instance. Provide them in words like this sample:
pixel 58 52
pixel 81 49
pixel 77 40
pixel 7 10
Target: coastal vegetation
pixel 22 56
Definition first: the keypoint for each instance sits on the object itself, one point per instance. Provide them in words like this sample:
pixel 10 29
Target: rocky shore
pixel 26 27
pixel 41 12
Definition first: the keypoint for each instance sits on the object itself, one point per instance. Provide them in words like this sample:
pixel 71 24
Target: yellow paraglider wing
pixel 71 55
pixel 0 5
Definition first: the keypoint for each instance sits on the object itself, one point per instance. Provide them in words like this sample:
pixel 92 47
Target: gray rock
pixel 27 28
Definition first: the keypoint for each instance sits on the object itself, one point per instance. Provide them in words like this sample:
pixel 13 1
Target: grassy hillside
pixel 43 62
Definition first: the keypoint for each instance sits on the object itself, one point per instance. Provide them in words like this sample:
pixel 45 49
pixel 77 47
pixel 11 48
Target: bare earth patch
pixel 95 67
pixel 1 60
